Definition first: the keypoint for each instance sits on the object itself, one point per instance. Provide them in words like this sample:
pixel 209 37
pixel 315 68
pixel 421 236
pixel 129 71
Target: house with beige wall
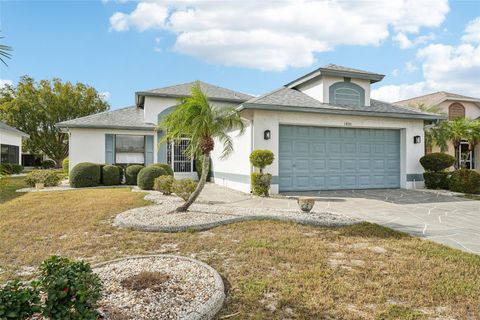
pixel 324 129
pixel 453 106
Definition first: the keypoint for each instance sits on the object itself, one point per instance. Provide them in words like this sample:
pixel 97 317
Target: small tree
pixel 198 120
pixel 261 181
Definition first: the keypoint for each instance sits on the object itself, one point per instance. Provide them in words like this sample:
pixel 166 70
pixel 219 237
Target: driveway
pixel 448 220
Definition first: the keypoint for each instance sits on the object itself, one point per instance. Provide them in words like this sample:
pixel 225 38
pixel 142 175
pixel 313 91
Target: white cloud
pixel 445 68
pixel 410 67
pixel 472 32
pixel 104 95
pixel 275 35
pixel 4 82
pixel 405 43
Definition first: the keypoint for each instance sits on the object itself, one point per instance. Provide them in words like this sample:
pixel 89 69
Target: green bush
pixel 48 177
pixel 48 164
pixel 121 171
pixel 437 161
pixel 165 167
pixel 436 180
pixel 184 188
pixel 147 176
pixel 18 301
pixel 17 168
pixel 111 175
pixel 85 174
pixel 466 181
pixel 65 163
pixel 11 168
pixel 260 183
pixel 164 184
pixel 131 173
pixel 199 166
pixel 261 158
pixel 72 289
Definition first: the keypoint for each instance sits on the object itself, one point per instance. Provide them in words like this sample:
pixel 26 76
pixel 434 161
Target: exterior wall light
pixel 417 139
pixel 266 135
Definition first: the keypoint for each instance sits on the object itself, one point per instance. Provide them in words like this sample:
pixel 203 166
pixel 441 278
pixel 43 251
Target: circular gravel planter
pixel 189 289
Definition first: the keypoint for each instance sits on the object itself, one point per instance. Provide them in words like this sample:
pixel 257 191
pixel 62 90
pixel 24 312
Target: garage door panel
pixel 321 158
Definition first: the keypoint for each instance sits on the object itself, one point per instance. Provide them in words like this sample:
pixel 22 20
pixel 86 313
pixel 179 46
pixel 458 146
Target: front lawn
pixel 272 270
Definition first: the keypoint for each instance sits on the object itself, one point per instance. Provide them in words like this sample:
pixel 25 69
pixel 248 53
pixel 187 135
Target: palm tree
pixel 473 135
pixel 4 52
pixel 438 134
pixel 201 122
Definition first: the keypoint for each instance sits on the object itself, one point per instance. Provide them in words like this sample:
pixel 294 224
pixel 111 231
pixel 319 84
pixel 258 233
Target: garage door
pixel 320 158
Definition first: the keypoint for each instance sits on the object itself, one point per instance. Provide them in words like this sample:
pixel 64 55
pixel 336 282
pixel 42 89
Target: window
pixel 347 93
pixel 455 111
pixel 9 154
pixel 176 157
pixel 129 149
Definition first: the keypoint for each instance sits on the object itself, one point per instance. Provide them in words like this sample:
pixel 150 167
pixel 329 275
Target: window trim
pixel 349 86
pixel 456 105
pixel 115 152
pixel 16 153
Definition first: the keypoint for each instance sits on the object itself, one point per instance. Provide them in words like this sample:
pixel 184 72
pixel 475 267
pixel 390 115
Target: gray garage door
pixel 320 158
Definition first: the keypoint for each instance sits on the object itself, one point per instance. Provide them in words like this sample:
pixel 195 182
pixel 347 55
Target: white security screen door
pixel 176 157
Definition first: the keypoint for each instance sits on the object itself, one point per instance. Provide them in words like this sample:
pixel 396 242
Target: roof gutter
pixel 140 97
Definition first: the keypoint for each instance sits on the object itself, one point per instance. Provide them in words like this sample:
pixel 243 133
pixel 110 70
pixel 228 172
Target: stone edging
pixel 210 308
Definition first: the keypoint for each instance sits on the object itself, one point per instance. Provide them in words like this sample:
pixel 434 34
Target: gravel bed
pixel 161 216
pixel 193 290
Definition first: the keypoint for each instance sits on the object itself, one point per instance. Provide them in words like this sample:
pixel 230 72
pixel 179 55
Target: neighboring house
pixel 454 106
pixel 325 131
pixel 10 144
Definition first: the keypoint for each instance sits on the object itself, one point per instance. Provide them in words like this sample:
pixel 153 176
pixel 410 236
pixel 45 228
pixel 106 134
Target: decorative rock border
pixel 205 311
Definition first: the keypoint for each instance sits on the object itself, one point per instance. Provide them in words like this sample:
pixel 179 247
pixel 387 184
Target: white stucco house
pixel 324 129
pixel 453 106
pixel 10 144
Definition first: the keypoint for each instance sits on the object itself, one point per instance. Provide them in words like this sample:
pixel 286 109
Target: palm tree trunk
pixel 201 184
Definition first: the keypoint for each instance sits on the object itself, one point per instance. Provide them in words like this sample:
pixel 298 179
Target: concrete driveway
pixel 449 220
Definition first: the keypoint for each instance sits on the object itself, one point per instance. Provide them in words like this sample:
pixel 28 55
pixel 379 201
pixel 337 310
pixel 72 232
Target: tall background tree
pixel 197 119
pixel 35 107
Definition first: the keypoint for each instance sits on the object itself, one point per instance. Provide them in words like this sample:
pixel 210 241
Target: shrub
pixel 147 176
pixel 436 180
pixel 48 164
pixel 131 173
pixel 260 183
pixel 184 188
pixel 164 184
pixel 111 175
pixel 466 181
pixel 261 158
pixel 72 289
pixel 165 167
pixel 437 161
pixel 120 172
pixel 65 164
pixel 11 168
pixel 48 177
pixel 199 166
pixel 17 168
pixel 18 301
pixel 85 174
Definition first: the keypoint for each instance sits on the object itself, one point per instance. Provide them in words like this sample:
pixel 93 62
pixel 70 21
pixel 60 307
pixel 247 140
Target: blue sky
pixel 120 47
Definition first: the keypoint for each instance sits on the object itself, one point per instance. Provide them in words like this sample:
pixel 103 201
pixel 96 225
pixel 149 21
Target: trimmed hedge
pixel 11 168
pixel 261 158
pixel 437 161
pixel 131 173
pixel 436 180
pixel 147 176
pixel 65 163
pixel 466 181
pixel 165 167
pixel 164 184
pixel 48 164
pixel 48 177
pixel 260 183
pixel 85 174
pixel 111 175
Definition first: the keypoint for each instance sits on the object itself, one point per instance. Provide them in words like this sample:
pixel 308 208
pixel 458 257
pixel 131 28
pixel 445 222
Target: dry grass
pixel 146 280
pixel 272 270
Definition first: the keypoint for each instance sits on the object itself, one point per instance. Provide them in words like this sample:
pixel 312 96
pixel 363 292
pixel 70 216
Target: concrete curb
pixel 211 307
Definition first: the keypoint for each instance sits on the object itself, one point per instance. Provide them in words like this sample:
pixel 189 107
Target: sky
pixel 119 47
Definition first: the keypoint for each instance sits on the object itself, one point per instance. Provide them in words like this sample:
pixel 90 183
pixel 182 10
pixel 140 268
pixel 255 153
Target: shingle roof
pixel 125 118
pixel 6 127
pixel 335 67
pixel 284 97
pixel 435 98
pixel 212 91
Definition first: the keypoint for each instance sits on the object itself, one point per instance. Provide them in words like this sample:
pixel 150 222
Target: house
pixel 324 129
pixel 454 106
pixel 10 144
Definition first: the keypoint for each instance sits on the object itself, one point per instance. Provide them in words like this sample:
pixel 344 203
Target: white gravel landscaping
pixel 201 216
pixel 193 289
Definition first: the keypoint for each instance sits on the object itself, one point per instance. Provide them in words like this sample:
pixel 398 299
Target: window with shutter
pixel 455 111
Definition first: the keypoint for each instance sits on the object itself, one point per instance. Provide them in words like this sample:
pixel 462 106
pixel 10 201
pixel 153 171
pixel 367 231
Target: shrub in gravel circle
pixel 164 184
pixel 49 178
pixel 131 173
pixel 466 181
pixel 165 167
pixel 85 174
pixel 18 301
pixel 147 176
pixel 184 188
pixel 111 175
